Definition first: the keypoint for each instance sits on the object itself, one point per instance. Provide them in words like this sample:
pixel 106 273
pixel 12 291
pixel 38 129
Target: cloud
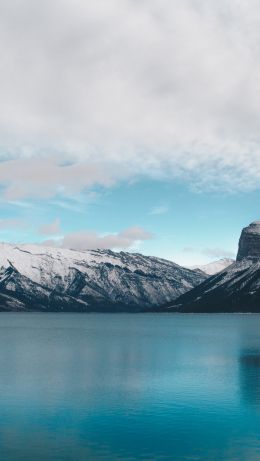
pixel 11 223
pixel 135 233
pixel 45 177
pixel 162 88
pixel 86 240
pixel 52 228
pixel 158 210
pixel 21 204
pixel 189 250
pixel 216 253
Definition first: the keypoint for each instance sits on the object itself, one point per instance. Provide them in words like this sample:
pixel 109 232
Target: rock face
pixel 249 243
pixel 236 288
pixel 48 279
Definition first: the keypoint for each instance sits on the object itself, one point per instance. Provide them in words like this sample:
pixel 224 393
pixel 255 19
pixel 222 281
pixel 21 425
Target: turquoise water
pixel 129 387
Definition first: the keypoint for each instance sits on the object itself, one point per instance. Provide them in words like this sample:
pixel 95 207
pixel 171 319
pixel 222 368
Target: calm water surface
pixel 129 387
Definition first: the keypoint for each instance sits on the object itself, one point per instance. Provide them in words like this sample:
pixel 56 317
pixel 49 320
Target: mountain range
pixel 236 288
pixel 50 279
pixel 39 278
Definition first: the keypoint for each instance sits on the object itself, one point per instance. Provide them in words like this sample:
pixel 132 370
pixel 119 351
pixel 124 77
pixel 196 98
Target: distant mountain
pixel 48 279
pixel 236 288
pixel 215 266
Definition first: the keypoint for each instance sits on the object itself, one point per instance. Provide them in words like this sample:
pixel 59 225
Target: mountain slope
pixel 49 279
pixel 215 266
pixel 236 288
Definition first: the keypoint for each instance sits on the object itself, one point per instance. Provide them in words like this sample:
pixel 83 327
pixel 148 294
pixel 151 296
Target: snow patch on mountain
pixel 44 278
pixel 214 267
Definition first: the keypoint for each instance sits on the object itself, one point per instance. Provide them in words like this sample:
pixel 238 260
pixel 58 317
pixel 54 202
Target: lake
pixel 121 387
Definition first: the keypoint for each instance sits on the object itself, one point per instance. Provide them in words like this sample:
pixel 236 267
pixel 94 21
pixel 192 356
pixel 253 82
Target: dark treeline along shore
pixel 34 278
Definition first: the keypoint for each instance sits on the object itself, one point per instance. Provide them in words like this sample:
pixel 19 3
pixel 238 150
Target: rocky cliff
pixel 249 243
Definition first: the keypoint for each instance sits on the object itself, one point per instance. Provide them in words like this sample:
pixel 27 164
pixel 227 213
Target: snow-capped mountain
pixel 51 279
pixel 215 266
pixel 236 288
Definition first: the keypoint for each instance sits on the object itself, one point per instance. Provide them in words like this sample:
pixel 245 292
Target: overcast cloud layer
pixel 155 87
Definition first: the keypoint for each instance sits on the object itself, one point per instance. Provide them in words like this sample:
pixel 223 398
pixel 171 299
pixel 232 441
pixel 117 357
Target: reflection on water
pixel 250 376
pixel 129 387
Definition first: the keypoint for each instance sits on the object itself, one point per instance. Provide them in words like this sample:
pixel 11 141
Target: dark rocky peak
pixel 249 243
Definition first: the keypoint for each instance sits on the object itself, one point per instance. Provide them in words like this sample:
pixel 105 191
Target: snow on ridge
pixel 39 262
pixel 79 256
pixel 214 267
pixel 37 274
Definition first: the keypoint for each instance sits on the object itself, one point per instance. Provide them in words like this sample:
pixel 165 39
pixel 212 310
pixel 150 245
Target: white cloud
pixel 46 177
pixel 189 250
pixel 87 240
pixel 217 253
pixel 12 223
pixel 160 87
pixel 158 210
pixel 210 253
pixel 194 256
pixel 52 228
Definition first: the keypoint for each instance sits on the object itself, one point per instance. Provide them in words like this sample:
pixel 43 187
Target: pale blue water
pixel 129 387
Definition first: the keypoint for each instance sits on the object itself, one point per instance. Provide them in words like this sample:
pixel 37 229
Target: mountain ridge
pixel 215 266
pixel 54 279
pixel 235 289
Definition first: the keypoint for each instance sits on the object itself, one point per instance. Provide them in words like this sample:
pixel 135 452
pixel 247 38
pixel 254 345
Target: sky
pixel 130 124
